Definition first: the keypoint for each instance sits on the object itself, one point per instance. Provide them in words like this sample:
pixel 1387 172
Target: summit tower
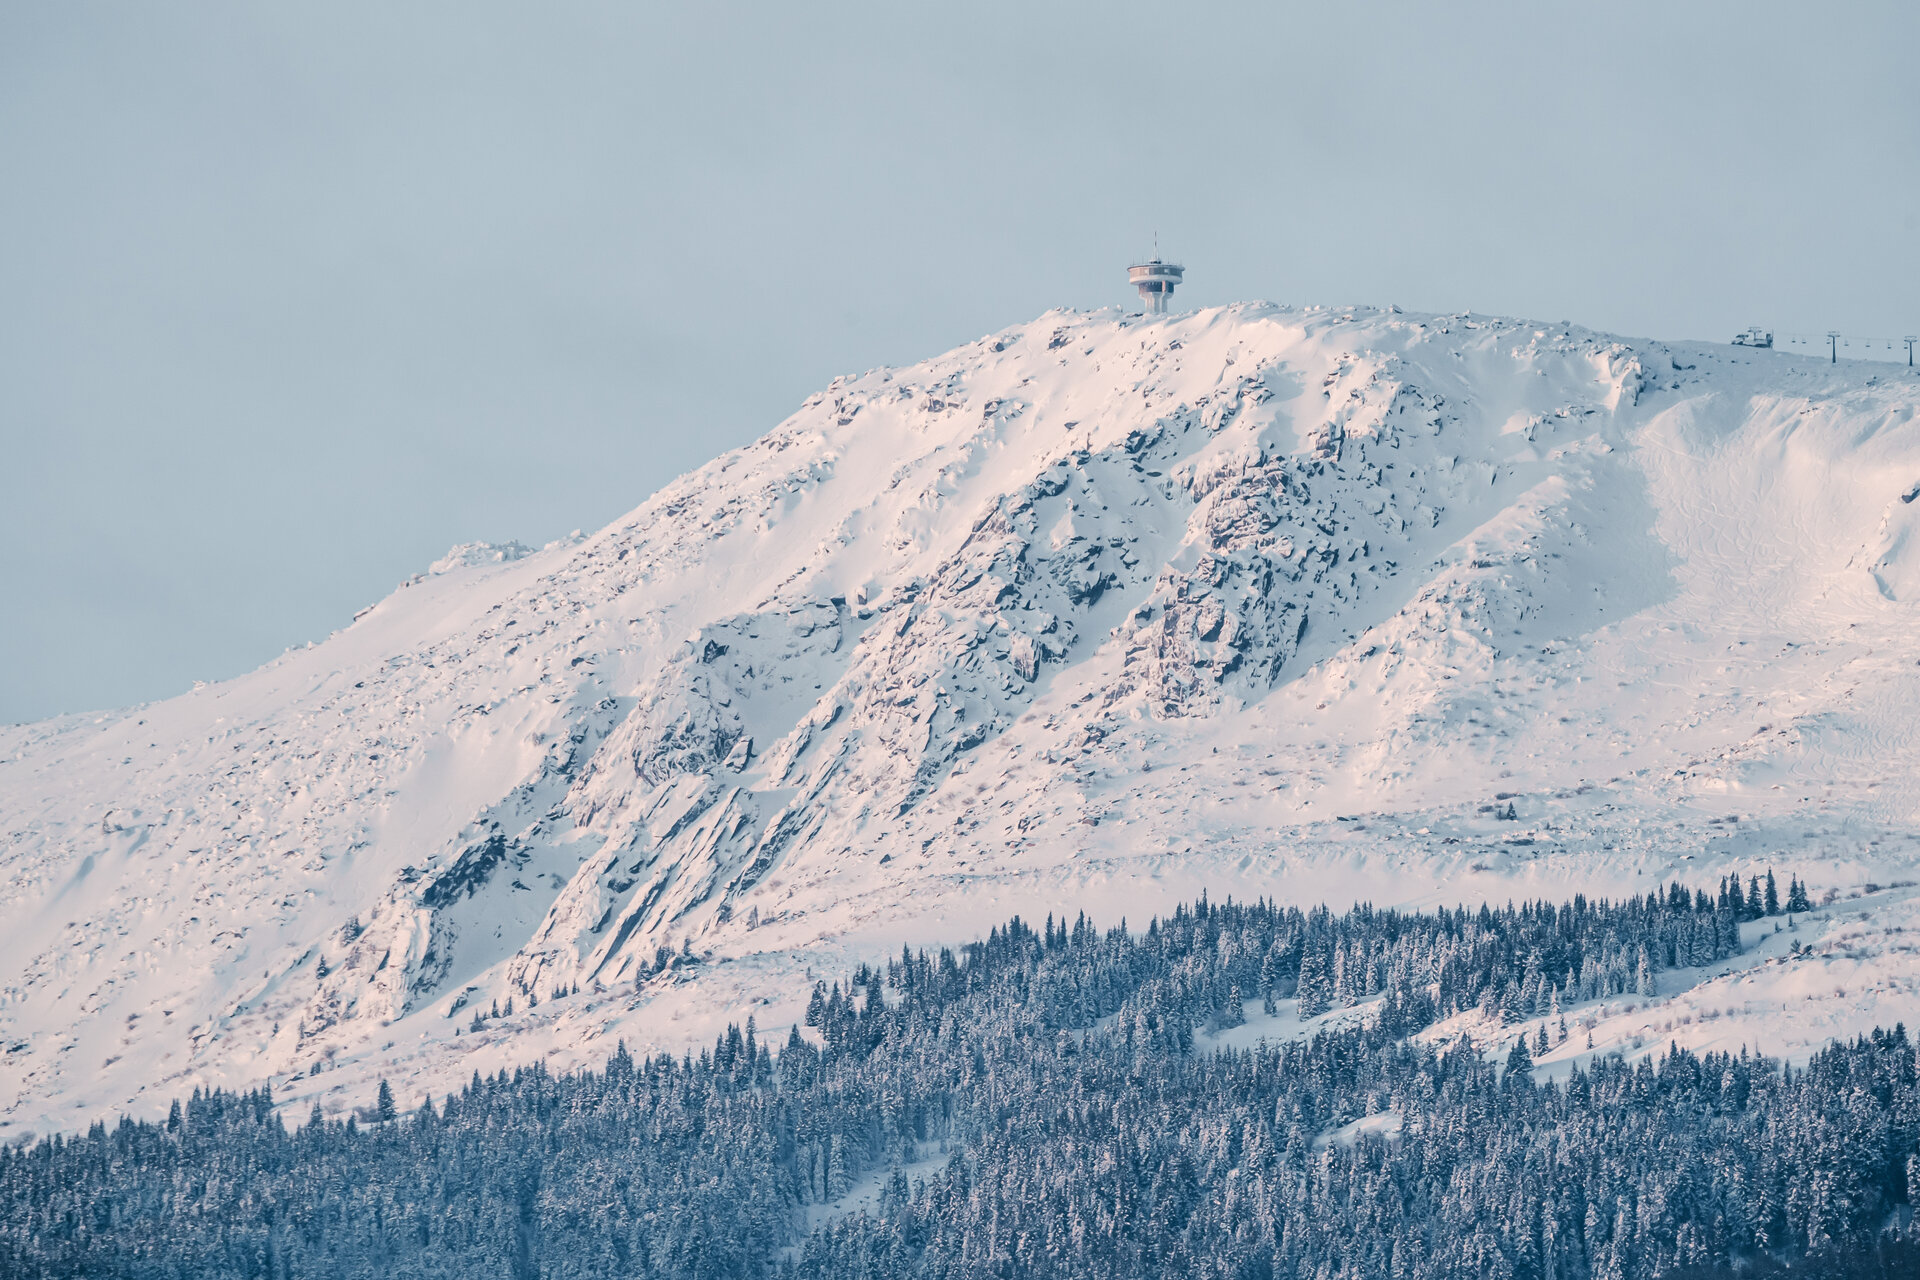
pixel 1155 280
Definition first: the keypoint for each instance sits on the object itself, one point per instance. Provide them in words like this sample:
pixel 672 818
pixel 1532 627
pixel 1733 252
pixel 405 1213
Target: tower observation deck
pixel 1155 280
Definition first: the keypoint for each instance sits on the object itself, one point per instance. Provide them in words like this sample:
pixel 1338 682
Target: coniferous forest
pixel 1046 1103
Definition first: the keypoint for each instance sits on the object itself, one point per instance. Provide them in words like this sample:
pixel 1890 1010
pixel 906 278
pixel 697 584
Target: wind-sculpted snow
pixel 1094 612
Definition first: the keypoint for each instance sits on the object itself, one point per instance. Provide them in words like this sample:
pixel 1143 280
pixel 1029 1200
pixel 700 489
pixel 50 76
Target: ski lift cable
pixel 1846 340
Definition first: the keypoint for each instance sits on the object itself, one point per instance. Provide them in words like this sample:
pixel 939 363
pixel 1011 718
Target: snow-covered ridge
pixel 1097 611
pixel 468 555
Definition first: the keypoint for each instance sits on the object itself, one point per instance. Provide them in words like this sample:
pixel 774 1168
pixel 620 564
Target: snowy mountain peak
pixel 1100 608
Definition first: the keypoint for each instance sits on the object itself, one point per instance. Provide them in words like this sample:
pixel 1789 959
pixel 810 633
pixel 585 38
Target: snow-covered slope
pixel 1095 612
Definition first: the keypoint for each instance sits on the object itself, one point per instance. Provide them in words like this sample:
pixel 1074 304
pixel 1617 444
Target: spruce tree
pixel 1315 989
pixel 1798 901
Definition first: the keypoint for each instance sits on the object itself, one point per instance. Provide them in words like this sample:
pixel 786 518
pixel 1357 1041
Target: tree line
pixel 1046 1103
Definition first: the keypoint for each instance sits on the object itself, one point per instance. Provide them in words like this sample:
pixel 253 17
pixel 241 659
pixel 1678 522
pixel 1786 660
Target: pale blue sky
pixel 292 297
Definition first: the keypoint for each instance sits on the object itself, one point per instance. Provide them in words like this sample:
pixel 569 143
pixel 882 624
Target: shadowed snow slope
pixel 1096 612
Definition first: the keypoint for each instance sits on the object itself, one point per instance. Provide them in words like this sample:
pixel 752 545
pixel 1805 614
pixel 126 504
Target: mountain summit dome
pixel 1092 613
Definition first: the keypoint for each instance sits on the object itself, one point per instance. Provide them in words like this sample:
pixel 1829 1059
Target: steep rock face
pixel 1085 593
